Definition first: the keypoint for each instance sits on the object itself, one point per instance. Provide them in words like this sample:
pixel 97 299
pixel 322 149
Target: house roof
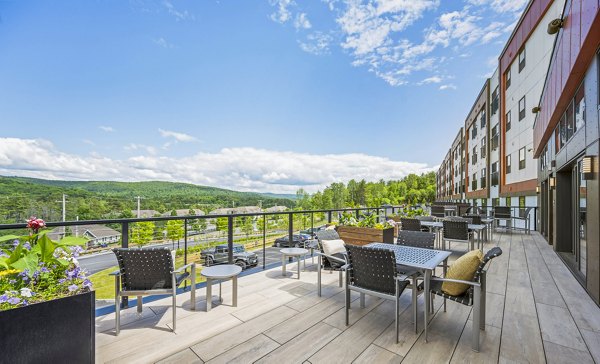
pixel 92 231
pixel 185 212
pixel 146 213
pixel 276 209
pixel 236 210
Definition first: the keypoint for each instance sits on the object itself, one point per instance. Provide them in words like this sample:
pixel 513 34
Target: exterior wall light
pixel 537 190
pixel 536 109
pixel 588 167
pixel 554 26
pixel 552 181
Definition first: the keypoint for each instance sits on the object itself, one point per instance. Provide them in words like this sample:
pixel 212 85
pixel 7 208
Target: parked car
pixel 299 240
pixel 313 230
pixel 220 255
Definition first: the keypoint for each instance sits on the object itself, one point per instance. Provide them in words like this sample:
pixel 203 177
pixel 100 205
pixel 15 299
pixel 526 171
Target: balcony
pixel 536 311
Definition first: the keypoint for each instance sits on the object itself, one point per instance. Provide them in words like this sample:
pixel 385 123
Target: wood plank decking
pixel 536 313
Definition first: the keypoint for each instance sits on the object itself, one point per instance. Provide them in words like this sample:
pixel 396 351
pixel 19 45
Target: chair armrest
pixel 184 267
pixel 346 266
pixel 115 273
pixel 331 257
pixel 470 283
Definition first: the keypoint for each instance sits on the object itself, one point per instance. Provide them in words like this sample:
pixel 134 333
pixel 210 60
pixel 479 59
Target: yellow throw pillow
pixel 463 268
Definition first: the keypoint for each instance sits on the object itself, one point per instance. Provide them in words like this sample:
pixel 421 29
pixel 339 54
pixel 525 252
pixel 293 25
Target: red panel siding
pixel 576 46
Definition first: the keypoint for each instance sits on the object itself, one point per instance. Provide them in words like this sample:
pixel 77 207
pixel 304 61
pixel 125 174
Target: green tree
pixel 142 233
pixel 222 224
pixel 175 230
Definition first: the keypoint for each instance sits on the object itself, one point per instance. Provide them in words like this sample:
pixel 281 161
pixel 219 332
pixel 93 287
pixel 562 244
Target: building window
pixel 474 182
pixel 474 131
pixel 570 122
pixel 507 78
pixel 495 101
pixel 508 164
pixel 508 201
pixel 474 155
pixel 495 137
pixel 522 108
pixel 495 201
pixel 483 148
pixel 521 60
pixel 484 202
pixel 522 158
pixel 508 120
pixel 482 120
pixel 522 202
pixel 580 108
pixel 562 130
pixel 483 175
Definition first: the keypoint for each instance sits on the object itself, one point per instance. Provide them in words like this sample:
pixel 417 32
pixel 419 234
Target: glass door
pixel 579 200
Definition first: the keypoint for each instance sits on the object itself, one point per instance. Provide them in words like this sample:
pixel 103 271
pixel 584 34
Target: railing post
pixel 329 217
pixel 124 244
pixel 185 240
pixel 230 239
pixel 534 218
pixel 291 228
pixel 312 223
pixel 357 214
pixel 264 240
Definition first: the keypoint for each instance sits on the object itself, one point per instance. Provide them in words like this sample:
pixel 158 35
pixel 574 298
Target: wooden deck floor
pixel 536 313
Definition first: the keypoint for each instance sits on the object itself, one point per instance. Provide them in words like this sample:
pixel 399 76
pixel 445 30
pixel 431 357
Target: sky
pixel 256 95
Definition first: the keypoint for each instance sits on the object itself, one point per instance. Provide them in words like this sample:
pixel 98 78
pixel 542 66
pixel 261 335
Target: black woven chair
pixel 373 271
pixel 456 231
pixel 410 224
pixel 331 263
pixel 425 218
pixel 474 296
pixel 524 216
pixel 438 211
pixel 475 219
pixel 502 213
pixel 146 272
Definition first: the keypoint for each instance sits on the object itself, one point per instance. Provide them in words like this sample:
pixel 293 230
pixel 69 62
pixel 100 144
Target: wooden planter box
pixel 361 236
pixel 57 331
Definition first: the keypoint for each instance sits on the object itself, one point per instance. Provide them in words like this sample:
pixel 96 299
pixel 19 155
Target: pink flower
pixel 35 224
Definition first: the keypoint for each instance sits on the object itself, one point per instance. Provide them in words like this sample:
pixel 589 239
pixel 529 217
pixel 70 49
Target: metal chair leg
pixel 117 306
pixel 347 303
pixel 476 318
pixel 362 300
pixel 193 290
pixel 397 312
pixel 174 308
pixel 341 279
pixel 319 276
pixel 139 304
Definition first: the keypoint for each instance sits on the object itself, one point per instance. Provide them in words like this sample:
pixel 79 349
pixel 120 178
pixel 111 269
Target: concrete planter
pixel 361 235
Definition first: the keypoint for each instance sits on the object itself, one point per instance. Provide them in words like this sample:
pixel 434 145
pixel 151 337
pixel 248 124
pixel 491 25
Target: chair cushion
pixel 463 268
pixel 331 247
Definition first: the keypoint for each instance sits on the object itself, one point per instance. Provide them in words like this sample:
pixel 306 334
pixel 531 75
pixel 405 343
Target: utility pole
pixel 138 206
pixel 64 212
pixel 260 203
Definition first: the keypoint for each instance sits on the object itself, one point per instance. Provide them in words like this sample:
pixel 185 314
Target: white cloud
pixel 179 15
pixel 244 169
pixel 302 22
pixel 137 147
pixel 448 86
pixel 316 43
pixel 432 79
pixel 108 129
pixel 162 42
pixel 283 12
pixel 502 6
pixel 180 137
pixel 88 142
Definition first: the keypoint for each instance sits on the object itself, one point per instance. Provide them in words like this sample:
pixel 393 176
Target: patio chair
pixel 438 211
pixel 373 271
pixel 474 296
pixel 146 272
pixel 425 218
pixel 502 213
pixel 331 263
pixel 524 216
pixel 456 231
pixel 410 224
pixel 475 219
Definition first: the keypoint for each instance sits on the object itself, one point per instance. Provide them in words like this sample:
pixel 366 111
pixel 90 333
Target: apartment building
pixel 566 142
pixel 445 179
pixel 523 66
pixel 477 148
pixel 494 141
pixel 458 167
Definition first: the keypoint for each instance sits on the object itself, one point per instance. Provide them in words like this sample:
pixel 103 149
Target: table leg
pixel 234 283
pixel 220 291
pixel 298 259
pixel 414 301
pixel 208 294
pixel 426 299
pixel 283 264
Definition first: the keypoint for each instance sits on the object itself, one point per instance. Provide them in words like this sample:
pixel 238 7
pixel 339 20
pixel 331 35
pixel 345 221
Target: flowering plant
pixel 36 269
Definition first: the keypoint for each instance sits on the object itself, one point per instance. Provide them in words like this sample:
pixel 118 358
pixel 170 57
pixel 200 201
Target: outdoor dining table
pixel 437 227
pixel 423 260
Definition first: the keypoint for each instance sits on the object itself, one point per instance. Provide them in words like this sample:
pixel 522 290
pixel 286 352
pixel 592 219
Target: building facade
pixel 476 148
pixel 566 143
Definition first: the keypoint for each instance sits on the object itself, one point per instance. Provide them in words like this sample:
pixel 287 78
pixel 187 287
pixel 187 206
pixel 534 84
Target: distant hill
pixel 21 197
pixel 290 196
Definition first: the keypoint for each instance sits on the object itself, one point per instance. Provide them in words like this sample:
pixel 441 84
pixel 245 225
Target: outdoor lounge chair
pixel 456 231
pixel 502 213
pixel 146 272
pixel 373 271
pixel 524 216
pixel 408 224
pixel 331 263
pixel 474 296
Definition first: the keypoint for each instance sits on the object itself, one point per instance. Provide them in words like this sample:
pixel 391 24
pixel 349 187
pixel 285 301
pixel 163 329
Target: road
pixel 97 262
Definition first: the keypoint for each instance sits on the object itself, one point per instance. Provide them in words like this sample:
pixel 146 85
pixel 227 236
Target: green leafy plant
pixel 33 269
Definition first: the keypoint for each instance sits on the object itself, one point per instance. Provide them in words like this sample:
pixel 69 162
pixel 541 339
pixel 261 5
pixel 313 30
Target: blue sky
pixel 252 95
